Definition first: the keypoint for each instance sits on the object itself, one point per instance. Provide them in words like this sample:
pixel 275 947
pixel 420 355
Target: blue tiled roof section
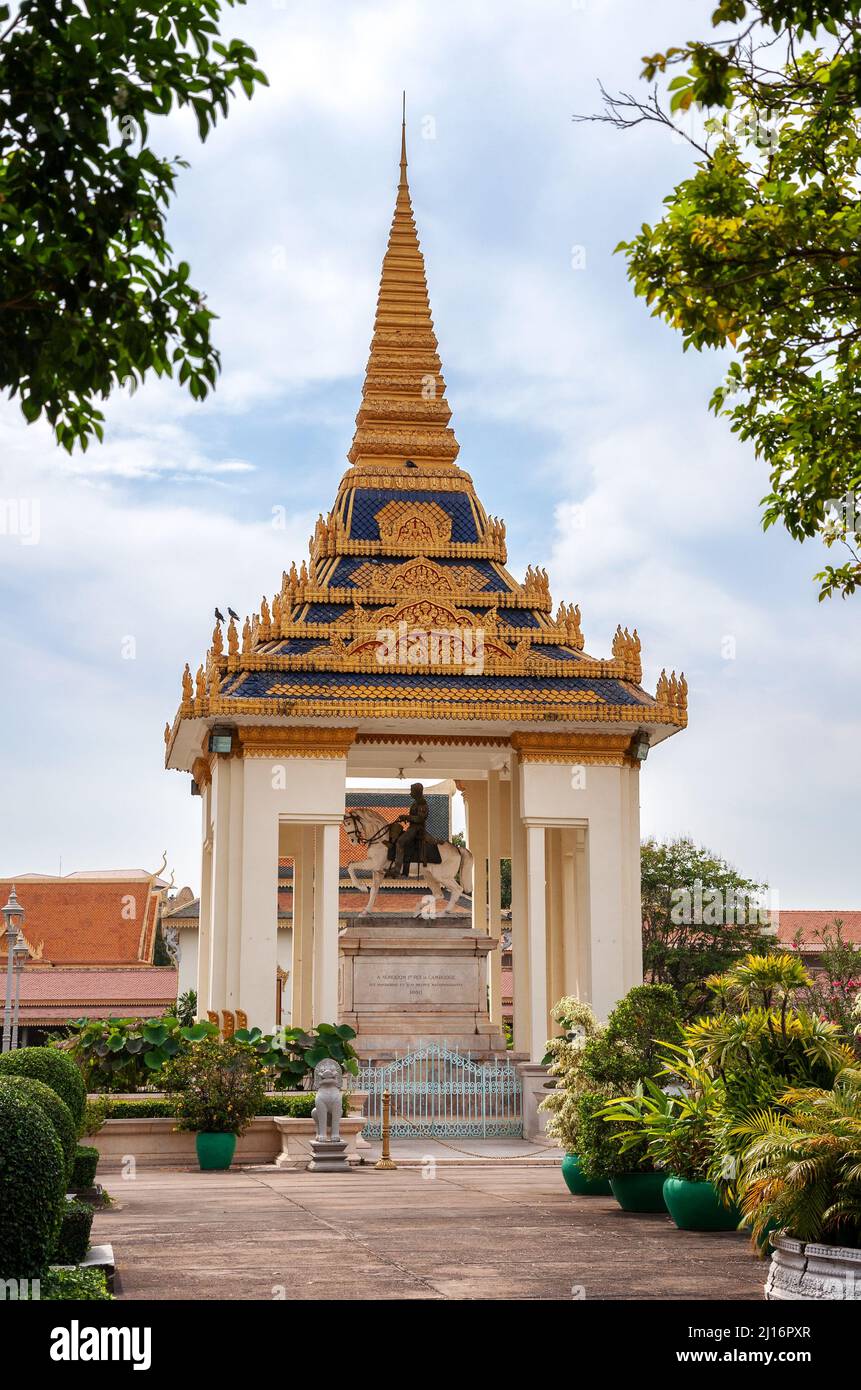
pixel 437 807
pixel 297 646
pixel 557 653
pixel 325 612
pixel 345 569
pixel 520 617
pixel 368 501
pixel 257 685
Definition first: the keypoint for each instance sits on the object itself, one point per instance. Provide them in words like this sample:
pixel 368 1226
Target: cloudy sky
pixel 579 418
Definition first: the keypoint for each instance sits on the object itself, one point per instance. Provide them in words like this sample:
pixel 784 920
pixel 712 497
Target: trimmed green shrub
pixel 84 1167
pixel 56 1109
pixel 95 1114
pixel 78 1285
pixel 297 1104
pixel 52 1067
pixel 32 1186
pixel 597 1147
pixel 73 1241
pixel 156 1109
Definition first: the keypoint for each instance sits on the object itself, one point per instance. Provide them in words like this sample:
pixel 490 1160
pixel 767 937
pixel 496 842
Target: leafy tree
pixel 186 1008
pixel 505 883
pixel 699 915
pixel 759 249
pixel 90 295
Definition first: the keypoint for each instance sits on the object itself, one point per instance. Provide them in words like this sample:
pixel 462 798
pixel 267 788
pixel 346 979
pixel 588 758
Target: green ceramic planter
pixel 215 1151
pixel 695 1206
pixel 639 1191
pixel 577 1182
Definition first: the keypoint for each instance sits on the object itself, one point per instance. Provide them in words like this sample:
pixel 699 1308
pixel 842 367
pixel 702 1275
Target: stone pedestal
pixel 329 1156
pixel 534 1078
pixel 406 981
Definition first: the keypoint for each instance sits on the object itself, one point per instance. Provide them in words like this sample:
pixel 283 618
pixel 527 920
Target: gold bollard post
pixel 385 1159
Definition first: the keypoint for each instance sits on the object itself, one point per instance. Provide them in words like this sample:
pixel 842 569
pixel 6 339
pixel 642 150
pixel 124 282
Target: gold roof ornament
pixel 404 412
pixel 408 550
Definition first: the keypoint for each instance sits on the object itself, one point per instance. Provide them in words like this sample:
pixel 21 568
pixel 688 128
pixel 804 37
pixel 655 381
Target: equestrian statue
pixel 392 846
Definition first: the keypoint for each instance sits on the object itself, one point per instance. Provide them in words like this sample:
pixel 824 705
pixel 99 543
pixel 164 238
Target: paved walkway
pixel 470 1232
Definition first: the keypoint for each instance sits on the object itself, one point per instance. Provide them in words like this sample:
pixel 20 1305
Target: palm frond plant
pixel 674 1123
pixel 801 1165
pixel 801 1046
pixel 765 981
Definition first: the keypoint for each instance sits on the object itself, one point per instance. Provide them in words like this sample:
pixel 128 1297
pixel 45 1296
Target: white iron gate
pixel 439 1093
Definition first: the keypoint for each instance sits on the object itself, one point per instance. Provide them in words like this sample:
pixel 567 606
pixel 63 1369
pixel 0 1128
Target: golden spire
pixel 404 414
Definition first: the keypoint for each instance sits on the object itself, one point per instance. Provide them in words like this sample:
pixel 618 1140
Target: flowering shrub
pixel 833 986
pixel 219 1086
pixel 608 1062
pixel 563 1060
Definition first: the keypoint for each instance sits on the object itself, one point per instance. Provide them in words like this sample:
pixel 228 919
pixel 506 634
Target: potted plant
pixel 800 1175
pixel 563 1061
pixel 757 1046
pixel 219 1088
pixel 676 1126
pixel 630 1174
pixel 612 1063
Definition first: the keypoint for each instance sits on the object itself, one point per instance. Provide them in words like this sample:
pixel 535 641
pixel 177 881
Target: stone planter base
pixel 296 1136
pixel 810 1272
pixel 155 1144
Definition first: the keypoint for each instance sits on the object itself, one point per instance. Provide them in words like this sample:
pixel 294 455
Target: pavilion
pixel 403 644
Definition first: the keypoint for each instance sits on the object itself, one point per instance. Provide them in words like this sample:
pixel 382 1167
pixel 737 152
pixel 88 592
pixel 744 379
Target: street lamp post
pixel 13 916
pixel 21 955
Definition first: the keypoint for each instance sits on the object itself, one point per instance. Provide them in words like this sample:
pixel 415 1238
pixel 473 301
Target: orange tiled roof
pixel 808 921
pixel 87 920
pixel 54 995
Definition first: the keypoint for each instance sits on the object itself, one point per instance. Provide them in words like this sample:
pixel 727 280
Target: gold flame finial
pixel 403 179
pixel 403 419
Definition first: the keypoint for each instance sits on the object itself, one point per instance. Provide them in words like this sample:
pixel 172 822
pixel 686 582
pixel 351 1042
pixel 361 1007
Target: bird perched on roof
pixel 219 616
pixel 231 614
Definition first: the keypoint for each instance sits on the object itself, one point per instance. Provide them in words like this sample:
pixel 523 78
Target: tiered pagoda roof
pixel 406 552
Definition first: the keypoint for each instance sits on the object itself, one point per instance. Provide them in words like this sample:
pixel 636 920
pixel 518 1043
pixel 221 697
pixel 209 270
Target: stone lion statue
pixel 327 1106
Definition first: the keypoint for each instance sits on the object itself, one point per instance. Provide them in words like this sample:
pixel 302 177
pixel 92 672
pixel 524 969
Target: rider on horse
pixel 410 842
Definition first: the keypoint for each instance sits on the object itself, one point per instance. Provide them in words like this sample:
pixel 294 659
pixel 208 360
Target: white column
pixel 633 907
pixel 233 952
pixel 537 935
pixel 519 933
pixel 326 926
pixel 570 922
pixel 306 907
pixel 476 829
pixel 221 861
pixel 204 926
pixel 606 918
pixel 259 897
pixel 494 918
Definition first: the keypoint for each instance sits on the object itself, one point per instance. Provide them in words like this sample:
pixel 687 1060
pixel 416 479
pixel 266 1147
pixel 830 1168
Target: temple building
pixel 403 646
pixel 93 946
